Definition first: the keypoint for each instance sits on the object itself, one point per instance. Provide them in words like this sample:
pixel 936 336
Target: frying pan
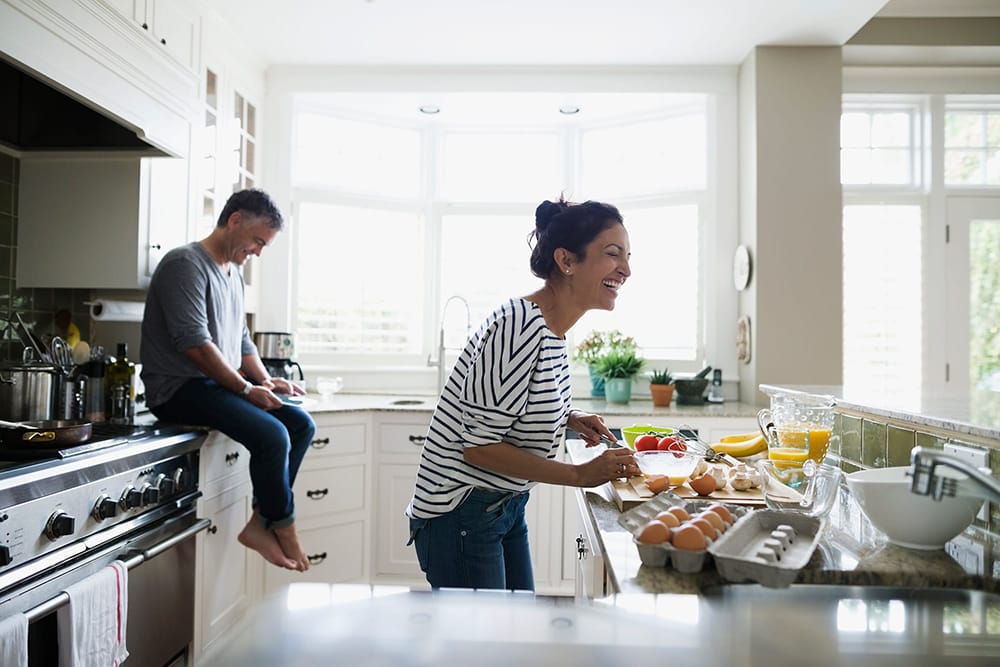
pixel 45 433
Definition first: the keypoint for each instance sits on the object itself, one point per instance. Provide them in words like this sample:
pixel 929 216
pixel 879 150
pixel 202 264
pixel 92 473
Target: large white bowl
pixel 908 519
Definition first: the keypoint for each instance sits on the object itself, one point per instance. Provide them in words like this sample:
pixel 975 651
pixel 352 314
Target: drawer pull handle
pixel 213 529
pixel 418 440
pixel 317 558
pixel 232 458
pixel 581 548
pixel 320 443
pixel 317 493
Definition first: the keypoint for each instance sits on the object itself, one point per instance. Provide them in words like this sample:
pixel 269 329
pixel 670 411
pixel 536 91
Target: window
pixel 394 217
pixel 879 146
pixel 971 145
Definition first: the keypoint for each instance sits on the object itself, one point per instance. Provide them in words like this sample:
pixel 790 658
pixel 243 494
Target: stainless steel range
pixel 129 494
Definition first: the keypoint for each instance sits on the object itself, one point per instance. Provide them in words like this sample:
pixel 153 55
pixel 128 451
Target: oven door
pixel 161 563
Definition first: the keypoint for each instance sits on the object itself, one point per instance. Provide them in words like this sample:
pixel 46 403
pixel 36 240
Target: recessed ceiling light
pixel 430 109
pixel 569 110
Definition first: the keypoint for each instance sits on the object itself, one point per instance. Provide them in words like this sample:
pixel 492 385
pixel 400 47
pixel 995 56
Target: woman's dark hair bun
pixel 545 212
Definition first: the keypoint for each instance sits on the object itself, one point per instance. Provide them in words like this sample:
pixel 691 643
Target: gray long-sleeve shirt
pixel 191 301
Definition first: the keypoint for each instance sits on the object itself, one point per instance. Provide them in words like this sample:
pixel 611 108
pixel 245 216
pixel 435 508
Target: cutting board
pixel 628 493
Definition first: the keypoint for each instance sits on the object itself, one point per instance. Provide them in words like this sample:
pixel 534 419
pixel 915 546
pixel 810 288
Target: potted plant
pixel 617 367
pixel 661 387
pixel 596 345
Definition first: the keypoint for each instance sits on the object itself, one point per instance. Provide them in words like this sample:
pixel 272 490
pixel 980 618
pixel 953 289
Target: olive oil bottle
pixel 121 383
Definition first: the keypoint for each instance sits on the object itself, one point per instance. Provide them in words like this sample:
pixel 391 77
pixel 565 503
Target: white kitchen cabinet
pixel 591 572
pixel 224 567
pixel 99 223
pixel 333 492
pixel 400 437
pixel 173 26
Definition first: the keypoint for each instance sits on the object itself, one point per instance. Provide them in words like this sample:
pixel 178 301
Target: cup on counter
pixel 328 386
pixel 796 430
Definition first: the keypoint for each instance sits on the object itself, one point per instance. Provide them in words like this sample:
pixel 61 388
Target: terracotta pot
pixel 662 394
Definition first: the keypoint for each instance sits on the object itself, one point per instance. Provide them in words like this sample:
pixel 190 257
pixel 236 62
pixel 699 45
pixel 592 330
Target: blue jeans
pixel 482 543
pixel 277 440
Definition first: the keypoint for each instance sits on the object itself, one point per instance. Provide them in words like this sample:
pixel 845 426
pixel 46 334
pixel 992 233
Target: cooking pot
pixel 275 344
pixel 29 391
pixel 45 432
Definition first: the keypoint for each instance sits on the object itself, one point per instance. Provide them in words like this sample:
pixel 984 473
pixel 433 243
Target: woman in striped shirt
pixel 505 408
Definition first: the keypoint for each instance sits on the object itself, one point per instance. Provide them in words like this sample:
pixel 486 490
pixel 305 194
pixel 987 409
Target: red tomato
pixel 645 443
pixel 672 443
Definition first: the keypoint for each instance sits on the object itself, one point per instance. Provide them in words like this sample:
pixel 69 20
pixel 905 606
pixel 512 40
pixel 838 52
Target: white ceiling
pixel 539 32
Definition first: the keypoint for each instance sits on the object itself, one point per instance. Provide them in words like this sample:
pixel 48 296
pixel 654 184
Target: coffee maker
pixel 276 349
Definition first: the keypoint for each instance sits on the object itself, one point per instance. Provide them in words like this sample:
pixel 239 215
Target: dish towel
pixel 14 641
pixel 92 626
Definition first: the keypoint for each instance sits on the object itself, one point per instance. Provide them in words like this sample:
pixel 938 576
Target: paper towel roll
pixel 117 311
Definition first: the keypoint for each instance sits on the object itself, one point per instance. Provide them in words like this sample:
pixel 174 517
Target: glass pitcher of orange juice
pixel 798 427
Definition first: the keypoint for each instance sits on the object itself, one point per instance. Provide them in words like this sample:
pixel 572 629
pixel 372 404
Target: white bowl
pixel 908 519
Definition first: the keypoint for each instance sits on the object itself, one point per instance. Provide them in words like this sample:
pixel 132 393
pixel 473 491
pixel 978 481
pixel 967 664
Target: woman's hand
pixel 590 427
pixel 614 463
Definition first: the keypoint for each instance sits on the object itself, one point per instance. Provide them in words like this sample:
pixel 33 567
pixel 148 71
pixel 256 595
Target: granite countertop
pixel 344 402
pixel 976 414
pixel 850 552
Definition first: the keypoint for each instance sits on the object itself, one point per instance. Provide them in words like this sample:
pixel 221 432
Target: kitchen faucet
pixel 441 348
pixel 926 483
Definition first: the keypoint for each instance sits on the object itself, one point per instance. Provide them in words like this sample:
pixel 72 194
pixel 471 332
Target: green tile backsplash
pixel 873 443
pixel 37 306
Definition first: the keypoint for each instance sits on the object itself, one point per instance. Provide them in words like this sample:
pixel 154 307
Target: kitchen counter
pixel 318 624
pixel 344 402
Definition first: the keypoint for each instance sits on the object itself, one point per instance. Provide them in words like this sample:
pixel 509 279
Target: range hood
pixel 38 117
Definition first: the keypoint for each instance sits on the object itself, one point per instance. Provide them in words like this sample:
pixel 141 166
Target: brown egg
pixel 703 485
pixel 680 513
pixel 657 483
pixel 704 526
pixel 721 510
pixel 653 532
pixel 688 537
pixel 714 519
pixel 668 519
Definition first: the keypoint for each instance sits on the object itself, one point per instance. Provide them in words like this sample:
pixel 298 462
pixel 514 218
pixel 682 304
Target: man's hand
pixel 263 398
pixel 283 386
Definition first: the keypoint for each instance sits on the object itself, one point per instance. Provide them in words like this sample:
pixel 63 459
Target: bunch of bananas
pixel 744 444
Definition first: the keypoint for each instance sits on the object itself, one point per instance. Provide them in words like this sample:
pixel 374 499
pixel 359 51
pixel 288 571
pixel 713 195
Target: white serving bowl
pixel 908 519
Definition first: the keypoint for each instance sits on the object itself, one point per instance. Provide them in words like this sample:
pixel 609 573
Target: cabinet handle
pixel 163 41
pixel 581 547
pixel 418 440
pixel 154 246
pixel 232 458
pixel 317 494
pixel 320 443
pixel 316 558
pixel 145 26
pixel 212 529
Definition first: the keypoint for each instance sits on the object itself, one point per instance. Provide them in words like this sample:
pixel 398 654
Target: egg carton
pixel 767 546
pixel 666 555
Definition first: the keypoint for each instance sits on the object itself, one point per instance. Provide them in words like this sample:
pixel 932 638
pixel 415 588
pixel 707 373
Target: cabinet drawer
pixel 221 457
pixel 320 492
pixel 336 554
pixel 336 440
pixel 402 438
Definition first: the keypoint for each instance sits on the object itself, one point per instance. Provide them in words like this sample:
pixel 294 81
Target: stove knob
pixel 59 525
pixel 150 494
pixel 180 480
pixel 167 487
pixel 131 498
pixel 105 508
pixel 5 557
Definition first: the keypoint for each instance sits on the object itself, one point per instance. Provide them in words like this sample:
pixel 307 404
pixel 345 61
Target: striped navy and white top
pixel 511 384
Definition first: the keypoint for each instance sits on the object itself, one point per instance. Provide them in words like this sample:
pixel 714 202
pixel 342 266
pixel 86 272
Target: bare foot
pixel 255 536
pixel 288 538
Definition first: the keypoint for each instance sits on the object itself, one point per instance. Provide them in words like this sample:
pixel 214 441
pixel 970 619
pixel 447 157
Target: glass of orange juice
pixel 798 429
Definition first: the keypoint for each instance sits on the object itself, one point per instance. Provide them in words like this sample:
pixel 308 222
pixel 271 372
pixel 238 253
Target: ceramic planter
pixel 618 390
pixel 662 394
pixel 596 383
